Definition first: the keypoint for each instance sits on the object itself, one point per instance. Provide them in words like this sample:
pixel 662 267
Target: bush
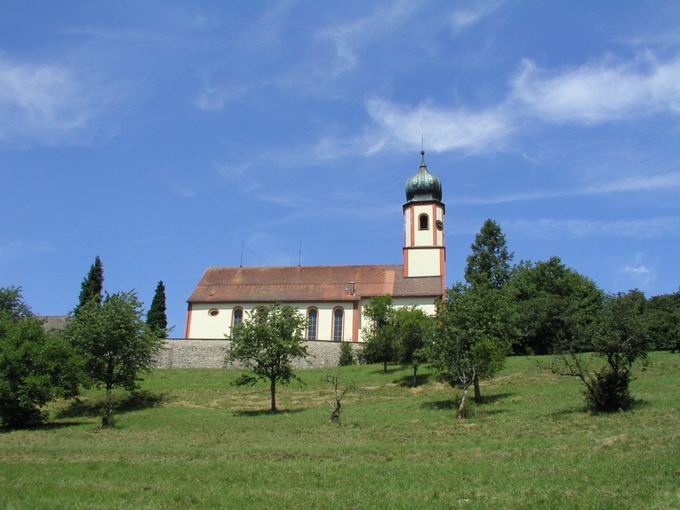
pixel 608 391
pixel 35 368
pixel 346 354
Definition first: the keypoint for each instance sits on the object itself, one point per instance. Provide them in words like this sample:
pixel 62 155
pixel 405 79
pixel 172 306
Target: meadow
pixel 191 439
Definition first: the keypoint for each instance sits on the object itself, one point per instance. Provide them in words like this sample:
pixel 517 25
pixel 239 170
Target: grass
pixel 193 440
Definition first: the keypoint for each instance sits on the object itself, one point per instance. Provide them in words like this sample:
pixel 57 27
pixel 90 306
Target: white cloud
pixel 213 99
pixel 668 181
pixel 600 92
pixel 348 38
pixel 443 130
pixel 554 228
pixel 51 104
pixel 464 18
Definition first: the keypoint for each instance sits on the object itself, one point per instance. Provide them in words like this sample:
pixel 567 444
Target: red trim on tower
pixel 405 262
pixel 434 224
pixel 188 330
pixel 355 322
pixel 442 268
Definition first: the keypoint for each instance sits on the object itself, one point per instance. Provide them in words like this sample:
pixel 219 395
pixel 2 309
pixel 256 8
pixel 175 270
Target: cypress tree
pixel 489 263
pixel 93 285
pixel 156 318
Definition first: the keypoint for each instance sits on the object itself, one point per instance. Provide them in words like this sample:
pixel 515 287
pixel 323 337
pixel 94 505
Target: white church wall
pixel 205 326
pixel 423 237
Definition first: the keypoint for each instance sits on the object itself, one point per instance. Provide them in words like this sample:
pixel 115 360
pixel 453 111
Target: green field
pixel 209 444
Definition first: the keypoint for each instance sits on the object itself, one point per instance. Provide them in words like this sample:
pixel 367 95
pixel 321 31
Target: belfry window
pixel 423 222
pixel 237 316
pixel 312 321
pixel 338 316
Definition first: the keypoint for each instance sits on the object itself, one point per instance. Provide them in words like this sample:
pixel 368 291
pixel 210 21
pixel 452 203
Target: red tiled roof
pixel 309 283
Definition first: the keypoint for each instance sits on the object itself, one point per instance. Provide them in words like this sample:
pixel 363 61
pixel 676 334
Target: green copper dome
pixel 423 187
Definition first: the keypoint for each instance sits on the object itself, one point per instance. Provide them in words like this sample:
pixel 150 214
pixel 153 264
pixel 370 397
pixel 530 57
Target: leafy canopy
pixel 35 368
pixel 116 343
pixel 266 343
pixel 473 332
pixel 550 299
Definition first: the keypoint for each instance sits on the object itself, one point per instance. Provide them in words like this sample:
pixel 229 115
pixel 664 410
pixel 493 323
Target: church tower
pixel 424 247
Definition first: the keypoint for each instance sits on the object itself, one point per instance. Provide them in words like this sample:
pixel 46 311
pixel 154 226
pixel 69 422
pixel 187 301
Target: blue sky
pixel 162 135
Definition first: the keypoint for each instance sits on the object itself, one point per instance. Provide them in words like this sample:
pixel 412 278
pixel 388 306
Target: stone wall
pixel 185 353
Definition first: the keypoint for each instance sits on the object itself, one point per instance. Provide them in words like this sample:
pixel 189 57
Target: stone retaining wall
pixel 192 353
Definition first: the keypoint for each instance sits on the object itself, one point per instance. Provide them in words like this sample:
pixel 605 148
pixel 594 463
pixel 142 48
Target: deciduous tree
pixel 619 337
pixel 379 334
pixel 35 367
pixel 473 332
pixel 413 328
pixel 116 343
pixel 266 343
pixel 550 297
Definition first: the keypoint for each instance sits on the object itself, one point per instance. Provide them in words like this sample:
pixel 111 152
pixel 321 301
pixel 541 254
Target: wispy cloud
pixel 19 249
pixel 213 99
pixel 444 130
pixel 668 181
pixel 347 38
pixel 473 14
pixel 559 228
pixel 47 103
pixel 601 91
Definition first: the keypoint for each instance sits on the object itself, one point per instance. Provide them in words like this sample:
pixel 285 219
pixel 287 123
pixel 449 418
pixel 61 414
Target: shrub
pixel 346 354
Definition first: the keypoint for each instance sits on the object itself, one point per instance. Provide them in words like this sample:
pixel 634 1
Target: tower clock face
pixel 440 225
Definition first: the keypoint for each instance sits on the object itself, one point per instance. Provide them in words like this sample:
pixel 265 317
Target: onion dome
pixel 423 187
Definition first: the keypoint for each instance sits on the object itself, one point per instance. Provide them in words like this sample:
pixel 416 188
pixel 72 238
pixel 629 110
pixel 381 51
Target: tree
pixel 266 343
pixel 662 315
pixel 35 368
pixel 549 297
pixel 619 337
pixel 379 334
pixel 336 407
pixel 93 285
pixel 413 328
pixel 12 304
pixel 473 332
pixel 346 355
pixel 117 345
pixel 156 318
pixel 489 263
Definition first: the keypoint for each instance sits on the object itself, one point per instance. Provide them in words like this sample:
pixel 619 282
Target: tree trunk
pixel 478 394
pixel 107 411
pixel 461 407
pixel 415 376
pixel 385 366
pixel 273 392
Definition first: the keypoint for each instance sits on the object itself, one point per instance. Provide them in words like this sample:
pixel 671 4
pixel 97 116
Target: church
pixel 332 298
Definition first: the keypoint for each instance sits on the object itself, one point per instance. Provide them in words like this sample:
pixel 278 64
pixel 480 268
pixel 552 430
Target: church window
pixel 312 321
pixel 237 316
pixel 423 222
pixel 338 316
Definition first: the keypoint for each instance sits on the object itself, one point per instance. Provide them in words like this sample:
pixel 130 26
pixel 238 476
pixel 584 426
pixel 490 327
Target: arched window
pixel 236 316
pixel 338 319
pixel 312 321
pixel 423 222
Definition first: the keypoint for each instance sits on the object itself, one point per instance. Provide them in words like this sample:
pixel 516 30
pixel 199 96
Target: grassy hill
pixel 193 440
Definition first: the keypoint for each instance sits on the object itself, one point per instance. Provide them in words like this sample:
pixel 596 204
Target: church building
pixel 332 298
